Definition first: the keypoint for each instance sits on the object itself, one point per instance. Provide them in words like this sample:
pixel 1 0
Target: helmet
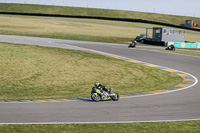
pixel 97 85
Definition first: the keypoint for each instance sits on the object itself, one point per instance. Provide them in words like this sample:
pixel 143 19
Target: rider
pixel 133 44
pixel 173 47
pixel 101 87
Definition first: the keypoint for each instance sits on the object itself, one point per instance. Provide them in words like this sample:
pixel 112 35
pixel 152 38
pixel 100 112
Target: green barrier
pixel 187 45
pixel 191 45
pixel 177 44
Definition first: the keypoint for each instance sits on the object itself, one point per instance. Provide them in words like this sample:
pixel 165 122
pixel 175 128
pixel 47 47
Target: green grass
pixel 33 72
pixel 74 29
pixel 157 127
pixel 26 8
pixel 65 30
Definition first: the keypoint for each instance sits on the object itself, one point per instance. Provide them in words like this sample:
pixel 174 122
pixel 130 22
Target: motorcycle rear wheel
pixel 115 96
pixel 96 97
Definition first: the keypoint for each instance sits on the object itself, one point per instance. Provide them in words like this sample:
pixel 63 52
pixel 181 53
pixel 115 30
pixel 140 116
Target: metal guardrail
pixel 185 44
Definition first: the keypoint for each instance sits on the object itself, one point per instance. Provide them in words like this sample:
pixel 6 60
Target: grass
pixel 27 8
pixel 73 29
pixel 33 72
pixel 156 127
pixel 64 30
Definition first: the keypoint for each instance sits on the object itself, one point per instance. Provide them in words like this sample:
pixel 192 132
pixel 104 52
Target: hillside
pixel 61 10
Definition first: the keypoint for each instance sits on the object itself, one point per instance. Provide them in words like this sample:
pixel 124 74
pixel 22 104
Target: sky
pixel 172 7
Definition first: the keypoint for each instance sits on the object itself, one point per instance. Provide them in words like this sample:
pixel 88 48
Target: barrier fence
pixel 185 44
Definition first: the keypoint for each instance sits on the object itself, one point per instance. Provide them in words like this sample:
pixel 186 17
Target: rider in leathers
pixel 101 87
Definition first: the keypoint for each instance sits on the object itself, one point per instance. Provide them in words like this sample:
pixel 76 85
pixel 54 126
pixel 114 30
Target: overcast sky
pixel 174 7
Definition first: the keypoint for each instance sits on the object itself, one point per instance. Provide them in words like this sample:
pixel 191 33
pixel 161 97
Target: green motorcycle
pixel 101 95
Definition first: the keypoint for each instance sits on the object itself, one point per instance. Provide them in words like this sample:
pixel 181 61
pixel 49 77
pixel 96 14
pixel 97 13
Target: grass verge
pixel 161 127
pixel 76 29
pixel 33 72
pixel 65 30
pixel 29 8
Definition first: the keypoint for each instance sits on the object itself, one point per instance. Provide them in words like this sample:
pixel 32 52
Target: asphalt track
pixel 175 106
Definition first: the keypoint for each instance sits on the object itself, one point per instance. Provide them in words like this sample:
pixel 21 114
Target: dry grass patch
pixel 65 30
pixel 33 72
pixel 76 29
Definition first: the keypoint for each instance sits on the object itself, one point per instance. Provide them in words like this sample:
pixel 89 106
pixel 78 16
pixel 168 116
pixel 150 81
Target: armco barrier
pixel 198 46
pixel 190 45
pixel 185 45
pixel 177 44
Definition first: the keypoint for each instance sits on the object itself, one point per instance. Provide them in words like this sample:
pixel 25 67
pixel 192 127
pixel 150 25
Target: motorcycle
pixel 133 44
pixel 170 47
pixel 101 95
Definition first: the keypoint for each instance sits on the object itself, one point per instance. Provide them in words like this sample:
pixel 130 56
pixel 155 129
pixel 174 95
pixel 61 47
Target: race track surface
pixel 179 105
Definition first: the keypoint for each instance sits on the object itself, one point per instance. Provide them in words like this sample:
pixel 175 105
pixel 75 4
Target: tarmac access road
pixel 174 106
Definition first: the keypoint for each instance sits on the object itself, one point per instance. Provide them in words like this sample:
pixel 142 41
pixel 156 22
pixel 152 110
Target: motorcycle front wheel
pixel 115 96
pixel 96 97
